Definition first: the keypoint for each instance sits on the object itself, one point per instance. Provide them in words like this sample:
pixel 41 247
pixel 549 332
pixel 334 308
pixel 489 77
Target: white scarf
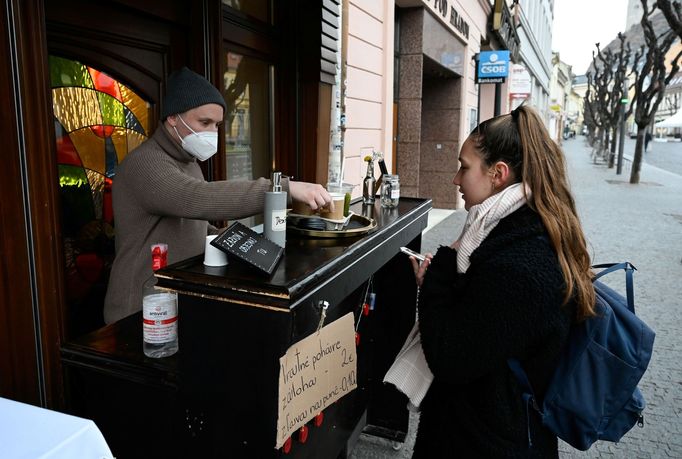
pixel 484 217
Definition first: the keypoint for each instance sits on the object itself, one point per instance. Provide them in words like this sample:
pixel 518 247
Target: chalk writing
pixel 246 246
pixel 314 373
pixel 233 239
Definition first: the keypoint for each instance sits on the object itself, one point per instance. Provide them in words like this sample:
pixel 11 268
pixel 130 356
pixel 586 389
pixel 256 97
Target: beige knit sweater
pixel 160 196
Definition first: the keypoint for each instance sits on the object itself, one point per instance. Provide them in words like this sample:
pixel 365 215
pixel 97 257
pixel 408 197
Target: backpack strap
pixel 528 395
pixel 629 285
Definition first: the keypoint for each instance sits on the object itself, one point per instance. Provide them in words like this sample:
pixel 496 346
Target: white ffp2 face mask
pixel 201 145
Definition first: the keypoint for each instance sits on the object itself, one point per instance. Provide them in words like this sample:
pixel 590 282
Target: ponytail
pixel 522 141
pixel 544 170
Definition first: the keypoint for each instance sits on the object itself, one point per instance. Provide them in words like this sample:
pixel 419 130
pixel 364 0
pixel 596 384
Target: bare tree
pixel 651 81
pixel 590 111
pixel 619 65
pixel 599 81
pixel 672 10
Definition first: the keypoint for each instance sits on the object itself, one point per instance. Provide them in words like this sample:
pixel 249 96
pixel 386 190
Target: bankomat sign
pixel 493 64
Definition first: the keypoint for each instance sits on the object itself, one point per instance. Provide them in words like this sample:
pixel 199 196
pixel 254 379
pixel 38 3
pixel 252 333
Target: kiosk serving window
pixel 98 120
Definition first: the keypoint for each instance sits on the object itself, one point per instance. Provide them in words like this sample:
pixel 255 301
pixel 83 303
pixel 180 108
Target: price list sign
pixel 247 245
pixel 314 373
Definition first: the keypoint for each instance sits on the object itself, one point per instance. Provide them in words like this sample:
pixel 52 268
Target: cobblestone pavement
pixel 638 223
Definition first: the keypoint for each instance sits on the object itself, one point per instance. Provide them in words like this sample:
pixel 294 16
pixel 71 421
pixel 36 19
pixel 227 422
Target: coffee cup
pixel 301 208
pixel 340 187
pixel 337 214
pixel 213 256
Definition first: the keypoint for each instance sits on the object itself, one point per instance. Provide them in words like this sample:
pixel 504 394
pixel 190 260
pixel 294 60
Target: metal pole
pixel 478 106
pixel 621 141
pixel 498 99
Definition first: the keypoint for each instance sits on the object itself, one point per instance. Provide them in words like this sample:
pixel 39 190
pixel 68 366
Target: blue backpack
pixel 593 392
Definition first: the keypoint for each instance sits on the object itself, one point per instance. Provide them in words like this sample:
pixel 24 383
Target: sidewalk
pixel 642 224
pixel 639 223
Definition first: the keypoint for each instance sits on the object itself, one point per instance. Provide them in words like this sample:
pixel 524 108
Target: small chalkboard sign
pixel 249 246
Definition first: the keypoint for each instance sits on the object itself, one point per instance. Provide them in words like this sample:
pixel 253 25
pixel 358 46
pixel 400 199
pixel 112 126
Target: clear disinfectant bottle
pixel 159 312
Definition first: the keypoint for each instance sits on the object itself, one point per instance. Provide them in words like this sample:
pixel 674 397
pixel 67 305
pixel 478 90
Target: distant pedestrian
pixel 647 139
pixel 510 286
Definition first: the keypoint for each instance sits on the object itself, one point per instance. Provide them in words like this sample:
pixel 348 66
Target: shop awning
pixel 672 122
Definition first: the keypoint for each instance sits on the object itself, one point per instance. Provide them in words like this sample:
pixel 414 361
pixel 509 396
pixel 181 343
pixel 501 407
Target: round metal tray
pixel 357 225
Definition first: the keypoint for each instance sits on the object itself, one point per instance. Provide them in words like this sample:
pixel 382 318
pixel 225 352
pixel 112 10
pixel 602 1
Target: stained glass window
pixel 98 121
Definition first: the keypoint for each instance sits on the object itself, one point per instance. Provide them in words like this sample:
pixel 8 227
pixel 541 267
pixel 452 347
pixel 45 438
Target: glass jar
pixel 390 190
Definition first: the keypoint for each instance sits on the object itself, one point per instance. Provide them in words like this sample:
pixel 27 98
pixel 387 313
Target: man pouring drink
pixel 160 194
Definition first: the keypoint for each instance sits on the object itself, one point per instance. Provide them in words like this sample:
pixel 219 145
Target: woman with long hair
pixel 510 286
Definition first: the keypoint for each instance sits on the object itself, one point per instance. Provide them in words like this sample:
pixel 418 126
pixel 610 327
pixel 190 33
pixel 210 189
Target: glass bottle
pixel 369 184
pixel 159 312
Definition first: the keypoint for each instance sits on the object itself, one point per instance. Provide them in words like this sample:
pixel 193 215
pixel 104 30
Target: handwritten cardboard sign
pixel 253 248
pixel 314 373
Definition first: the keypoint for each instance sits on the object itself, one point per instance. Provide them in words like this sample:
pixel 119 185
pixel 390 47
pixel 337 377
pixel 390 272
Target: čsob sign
pixel 493 64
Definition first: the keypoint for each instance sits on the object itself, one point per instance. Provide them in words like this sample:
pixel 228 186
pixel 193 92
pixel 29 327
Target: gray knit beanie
pixel 187 90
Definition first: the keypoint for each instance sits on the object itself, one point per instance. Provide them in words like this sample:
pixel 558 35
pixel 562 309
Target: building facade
pixel 437 100
pixel 368 50
pixel 535 33
pixel 580 90
pixel 634 12
pixel 561 99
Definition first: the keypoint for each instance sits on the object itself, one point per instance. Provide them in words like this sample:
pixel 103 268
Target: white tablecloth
pixel 29 432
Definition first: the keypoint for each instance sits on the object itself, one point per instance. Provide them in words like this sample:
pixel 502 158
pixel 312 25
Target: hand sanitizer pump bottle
pixel 275 218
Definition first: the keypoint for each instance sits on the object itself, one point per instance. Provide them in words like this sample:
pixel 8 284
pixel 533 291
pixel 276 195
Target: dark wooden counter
pixel 217 396
pixel 307 262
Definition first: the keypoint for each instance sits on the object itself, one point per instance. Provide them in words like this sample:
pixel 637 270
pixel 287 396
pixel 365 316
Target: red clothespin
pixel 357 338
pixel 287 446
pixel 365 309
pixel 303 434
pixel 319 419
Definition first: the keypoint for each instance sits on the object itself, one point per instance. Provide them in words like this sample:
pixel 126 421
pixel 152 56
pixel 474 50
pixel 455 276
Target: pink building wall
pixel 369 85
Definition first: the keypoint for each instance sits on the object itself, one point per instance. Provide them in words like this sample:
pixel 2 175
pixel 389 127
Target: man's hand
pixel 313 194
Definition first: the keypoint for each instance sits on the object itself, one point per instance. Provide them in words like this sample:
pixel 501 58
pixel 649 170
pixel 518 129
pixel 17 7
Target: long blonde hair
pixel 521 141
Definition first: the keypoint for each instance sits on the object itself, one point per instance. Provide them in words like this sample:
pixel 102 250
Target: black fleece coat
pixel 507 304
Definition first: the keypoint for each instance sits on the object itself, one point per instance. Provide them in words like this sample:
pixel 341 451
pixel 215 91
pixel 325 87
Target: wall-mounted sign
pixel 519 80
pixel 517 99
pixel 493 64
pixel 445 9
pixel 492 67
pixel 490 80
pixel 504 27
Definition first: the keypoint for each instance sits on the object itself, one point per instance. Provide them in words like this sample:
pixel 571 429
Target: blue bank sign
pixel 493 64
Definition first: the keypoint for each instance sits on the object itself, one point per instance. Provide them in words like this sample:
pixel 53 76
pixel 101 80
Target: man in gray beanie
pixel 160 194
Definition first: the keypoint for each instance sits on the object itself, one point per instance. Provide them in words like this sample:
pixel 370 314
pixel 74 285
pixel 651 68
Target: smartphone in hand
pixel 412 253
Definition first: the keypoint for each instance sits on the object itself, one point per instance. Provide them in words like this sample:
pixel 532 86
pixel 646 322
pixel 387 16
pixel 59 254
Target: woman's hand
pixel 420 269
